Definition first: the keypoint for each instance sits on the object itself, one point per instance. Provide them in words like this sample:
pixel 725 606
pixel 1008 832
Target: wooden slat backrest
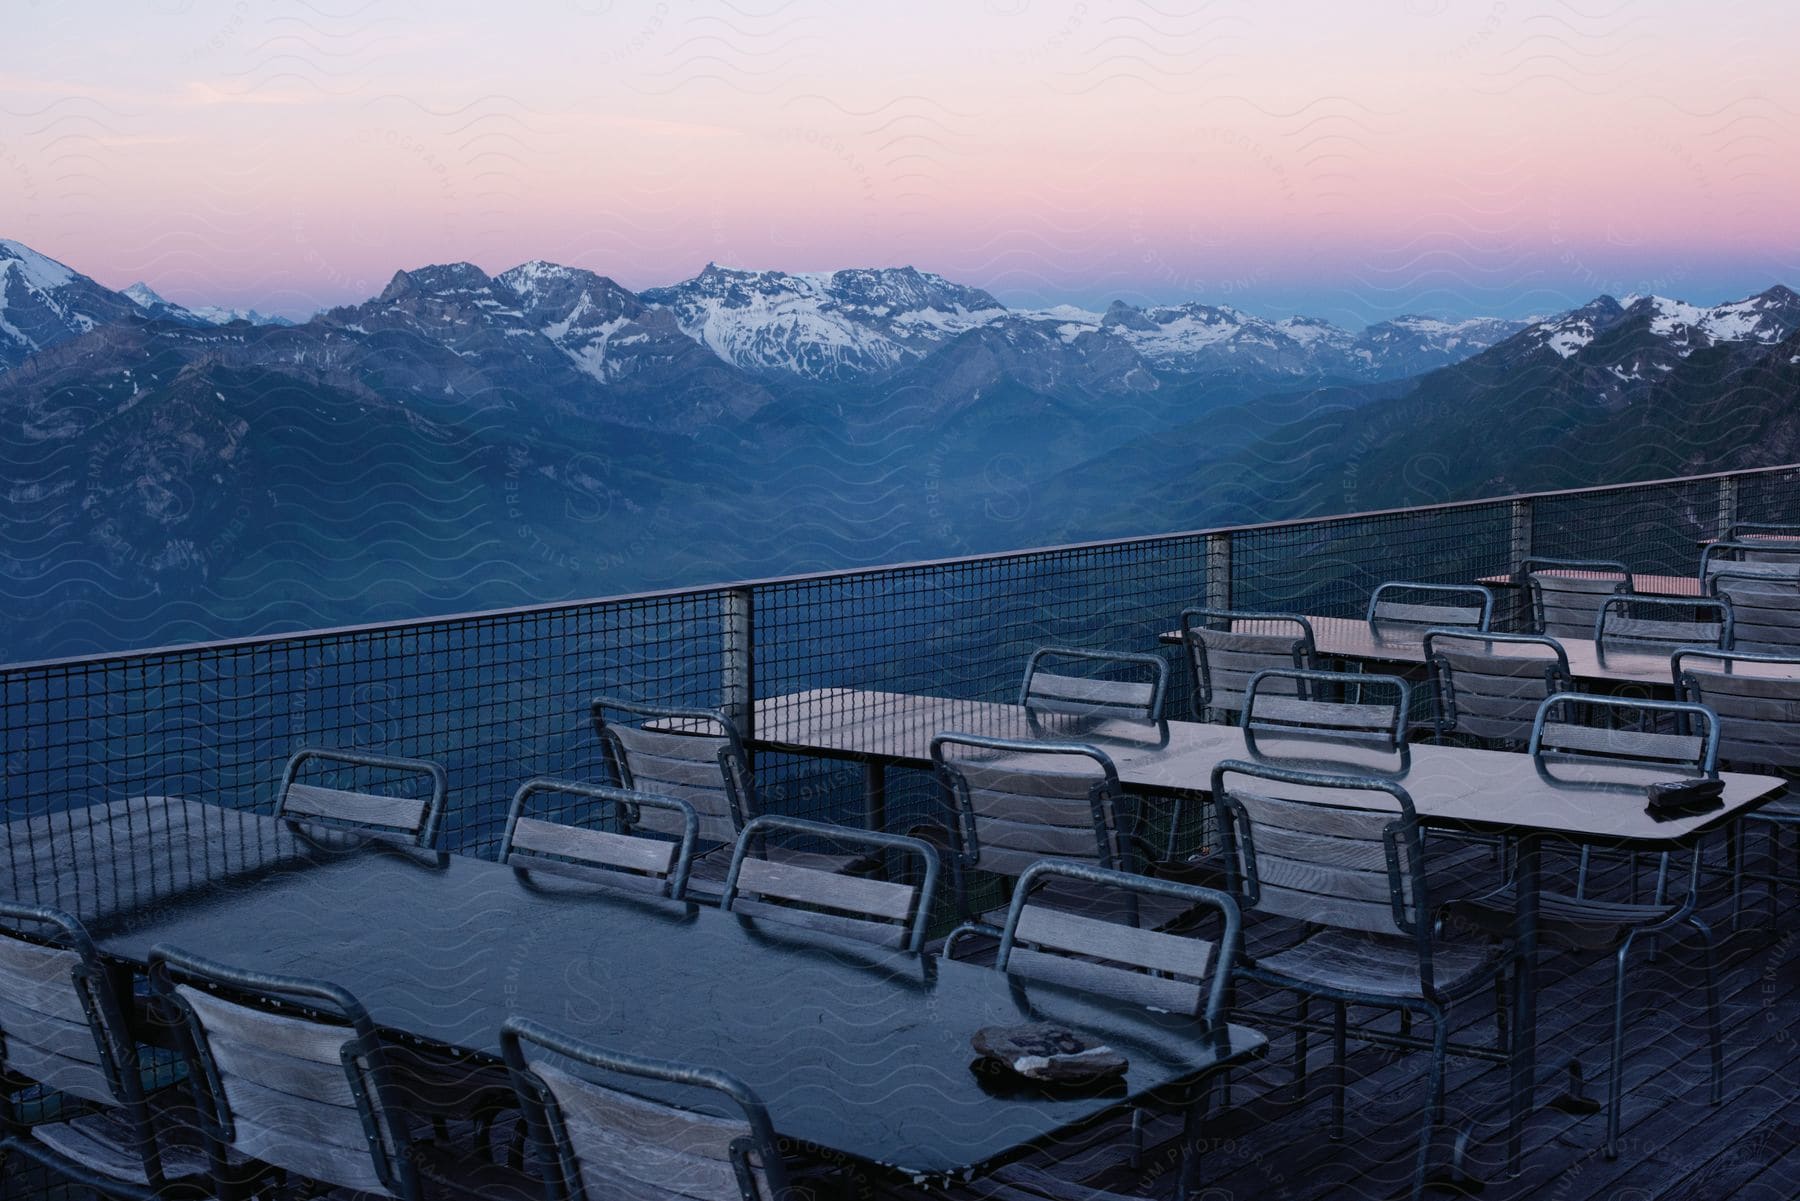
pixel 1168 971
pixel 1225 660
pixel 1404 613
pixel 1677 750
pixel 287 1090
pixel 1297 714
pixel 683 765
pixel 1619 631
pixel 1323 856
pixel 45 1034
pixel 1490 689
pixel 1765 612
pixel 1565 604
pixel 628 1148
pixel 404 814
pixel 874 910
pixel 1057 693
pixel 646 859
pixel 1025 813
pixel 1758 703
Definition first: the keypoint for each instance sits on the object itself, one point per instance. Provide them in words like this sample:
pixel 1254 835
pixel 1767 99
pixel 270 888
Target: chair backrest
pixel 1757 698
pixel 693 755
pixel 1112 683
pixel 1407 605
pixel 1335 850
pixel 1566 594
pixel 1774 531
pixel 1579 727
pixel 59 1023
pixel 1765 609
pixel 287 1071
pixel 1490 685
pixel 1016 802
pixel 1225 647
pixel 1770 549
pixel 413 818
pixel 1286 702
pixel 1181 973
pixel 1656 625
pixel 607 846
pixel 599 1142
pixel 891 913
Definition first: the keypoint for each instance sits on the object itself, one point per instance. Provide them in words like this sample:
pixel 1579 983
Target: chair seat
pixel 105 1142
pixel 1563 920
pixel 1372 965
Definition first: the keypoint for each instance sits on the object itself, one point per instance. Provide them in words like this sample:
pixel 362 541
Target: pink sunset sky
pixel 1353 160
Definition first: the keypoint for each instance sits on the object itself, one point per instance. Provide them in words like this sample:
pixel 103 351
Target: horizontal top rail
pixel 697 592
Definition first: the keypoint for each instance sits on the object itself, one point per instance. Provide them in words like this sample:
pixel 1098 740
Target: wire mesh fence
pixel 498 698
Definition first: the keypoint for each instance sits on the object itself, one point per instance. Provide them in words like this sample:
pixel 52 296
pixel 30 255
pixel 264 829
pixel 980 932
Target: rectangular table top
pixel 1644 583
pixel 1352 638
pixel 1451 787
pixel 853 1048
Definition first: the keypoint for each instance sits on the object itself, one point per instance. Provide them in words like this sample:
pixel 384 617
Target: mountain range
pixel 465 440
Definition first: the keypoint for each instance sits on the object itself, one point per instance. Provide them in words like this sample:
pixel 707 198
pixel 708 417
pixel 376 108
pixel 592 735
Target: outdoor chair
pixel 1569 731
pixel 1099 691
pixel 610 847
pixel 1180 973
pixel 1013 802
pixel 696 756
pixel 1401 605
pixel 410 818
pixel 1765 608
pixel 1757 698
pixel 1741 531
pixel 892 913
pixel 1224 648
pixel 62 1029
pixel 1629 624
pixel 1487 687
pixel 292 1074
pixel 1344 856
pixel 1564 595
pixel 598 1142
pixel 1774 555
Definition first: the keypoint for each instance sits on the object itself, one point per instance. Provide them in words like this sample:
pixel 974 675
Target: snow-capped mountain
pixel 162 309
pixel 43 302
pixel 836 325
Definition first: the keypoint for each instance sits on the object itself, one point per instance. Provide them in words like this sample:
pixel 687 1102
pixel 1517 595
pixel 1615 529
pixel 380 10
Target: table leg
pixel 1526 881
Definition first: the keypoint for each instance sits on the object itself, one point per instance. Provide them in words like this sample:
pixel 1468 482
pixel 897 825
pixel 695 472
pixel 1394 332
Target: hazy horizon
pixel 1503 159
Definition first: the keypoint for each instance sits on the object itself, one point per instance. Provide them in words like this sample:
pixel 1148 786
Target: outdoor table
pixel 1644 584
pixel 1453 788
pixel 856 1050
pixel 1352 638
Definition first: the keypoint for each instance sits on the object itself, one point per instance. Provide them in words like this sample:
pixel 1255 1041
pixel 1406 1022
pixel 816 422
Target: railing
pixel 503 696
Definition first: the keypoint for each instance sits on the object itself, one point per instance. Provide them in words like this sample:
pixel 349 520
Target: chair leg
pixel 1615 1084
pixel 1734 854
pixel 1300 1041
pixel 1136 1159
pixel 1501 1029
pixel 1715 1028
pixel 1434 1099
pixel 1193 1129
pixel 1340 1070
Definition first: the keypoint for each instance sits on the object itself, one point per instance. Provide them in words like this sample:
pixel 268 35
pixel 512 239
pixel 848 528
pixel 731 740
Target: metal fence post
pixel 1519 541
pixel 1728 505
pixel 1218 571
pixel 737 659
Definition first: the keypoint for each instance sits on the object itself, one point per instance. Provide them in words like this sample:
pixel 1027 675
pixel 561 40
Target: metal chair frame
pixel 627 803
pixel 734 763
pixel 1480 591
pixel 434 807
pixel 1527 575
pixel 544 1119
pixel 1156 665
pixel 1404 846
pixel 873 841
pixel 117 1053
pixel 1685 715
pixel 364 1060
pixel 1303 653
pixel 1557 677
pixel 1306 683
